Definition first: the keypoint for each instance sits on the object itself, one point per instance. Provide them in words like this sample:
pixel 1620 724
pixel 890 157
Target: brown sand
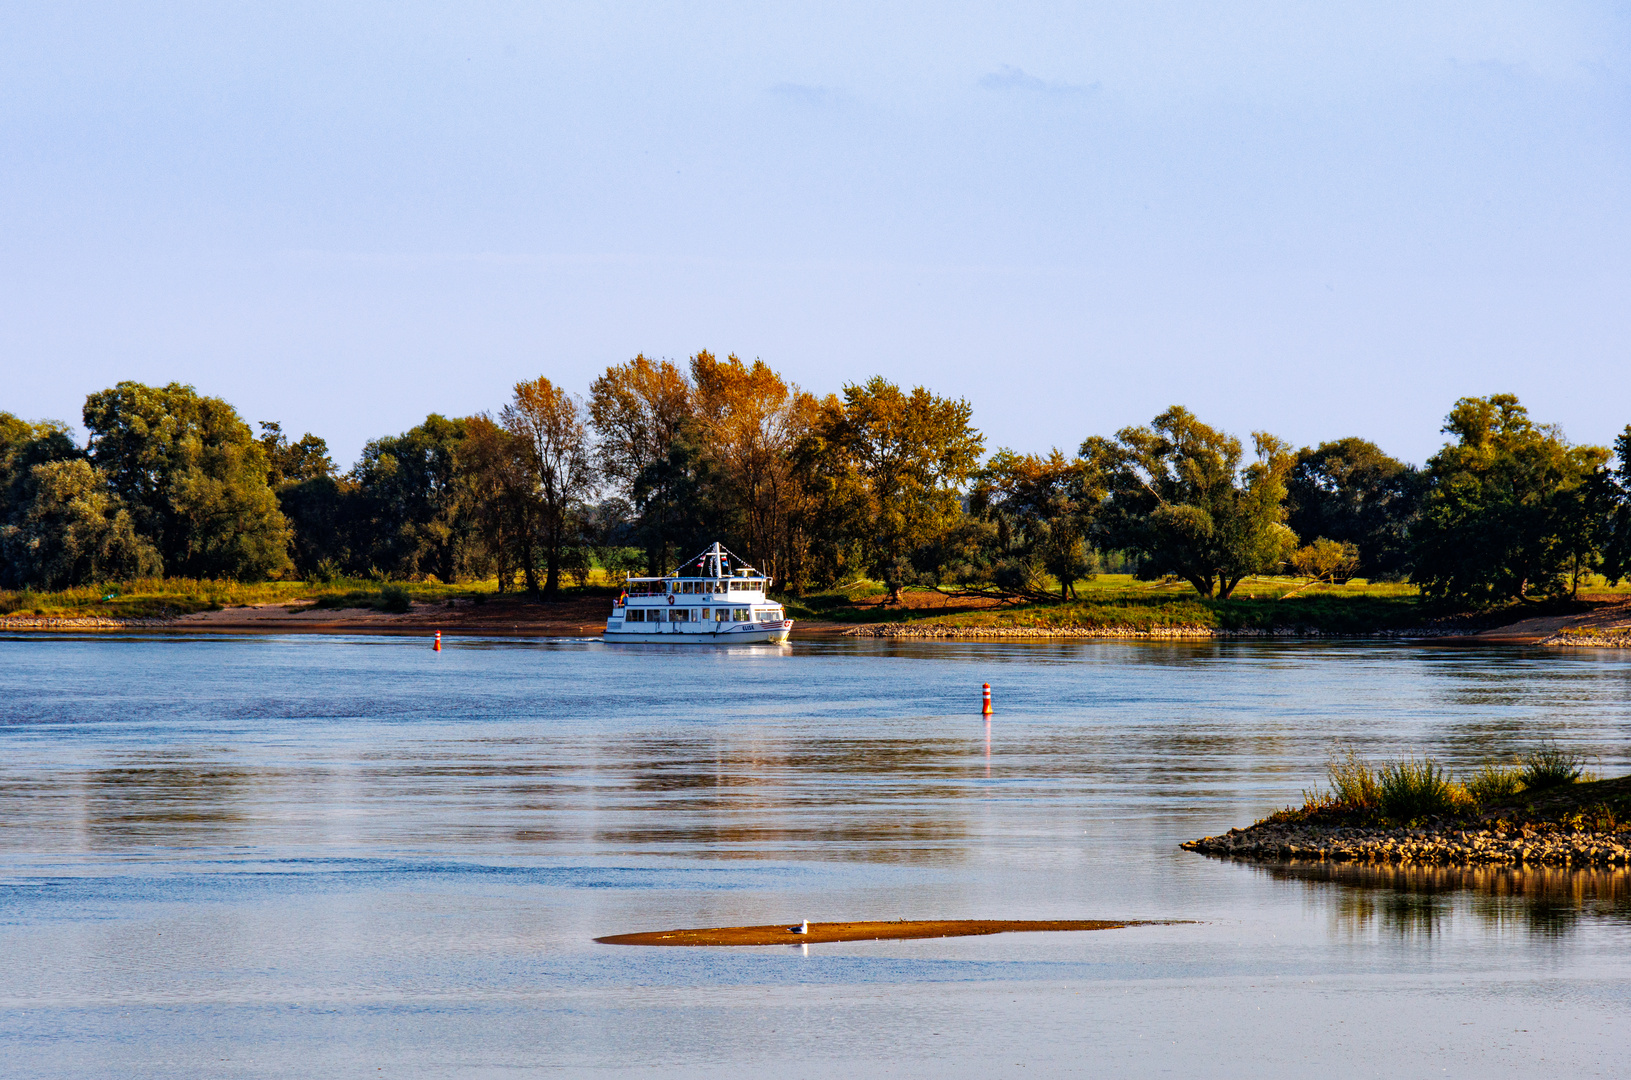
pixel 861 931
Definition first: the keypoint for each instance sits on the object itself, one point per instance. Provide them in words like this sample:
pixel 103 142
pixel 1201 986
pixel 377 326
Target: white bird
pixel 801 928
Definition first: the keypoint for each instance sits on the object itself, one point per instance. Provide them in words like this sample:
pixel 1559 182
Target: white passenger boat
pixel 714 598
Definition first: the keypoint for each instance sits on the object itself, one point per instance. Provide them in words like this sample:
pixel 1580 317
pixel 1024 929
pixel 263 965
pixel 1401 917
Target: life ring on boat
pixel 670 599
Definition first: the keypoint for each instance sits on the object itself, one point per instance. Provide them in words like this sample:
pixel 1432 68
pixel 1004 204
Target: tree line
pixel 875 482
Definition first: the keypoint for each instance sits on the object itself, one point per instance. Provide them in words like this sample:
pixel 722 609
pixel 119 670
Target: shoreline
pixel 348 621
pixel 584 616
pixel 1547 828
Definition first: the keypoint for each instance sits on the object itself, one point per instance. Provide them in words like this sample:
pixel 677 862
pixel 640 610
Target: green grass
pixel 1117 601
pixel 152 598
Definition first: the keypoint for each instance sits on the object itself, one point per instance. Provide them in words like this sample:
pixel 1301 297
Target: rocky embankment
pixel 1606 638
pixel 1460 844
pixel 1195 633
pixel 52 622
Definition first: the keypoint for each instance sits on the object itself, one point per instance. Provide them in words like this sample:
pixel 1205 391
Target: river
pixel 344 856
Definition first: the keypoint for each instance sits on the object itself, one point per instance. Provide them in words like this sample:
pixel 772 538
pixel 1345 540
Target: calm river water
pixel 348 856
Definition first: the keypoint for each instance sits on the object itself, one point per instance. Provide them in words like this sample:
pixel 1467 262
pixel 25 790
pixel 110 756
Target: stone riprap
pixel 1608 638
pixel 1201 633
pixel 49 622
pixel 1457 844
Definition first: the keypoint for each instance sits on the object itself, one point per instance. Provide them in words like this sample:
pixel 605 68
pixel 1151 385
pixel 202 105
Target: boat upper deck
pixel 674 586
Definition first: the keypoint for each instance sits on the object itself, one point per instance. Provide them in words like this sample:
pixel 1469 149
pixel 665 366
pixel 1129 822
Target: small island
pixel 1544 811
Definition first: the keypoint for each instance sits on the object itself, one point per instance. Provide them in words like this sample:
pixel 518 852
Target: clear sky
pixel 1319 219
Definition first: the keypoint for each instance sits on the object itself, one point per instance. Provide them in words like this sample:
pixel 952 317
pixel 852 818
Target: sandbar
pixel 782 933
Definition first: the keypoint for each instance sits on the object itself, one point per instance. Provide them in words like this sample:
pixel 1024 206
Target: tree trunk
pixel 552 575
pixel 529 561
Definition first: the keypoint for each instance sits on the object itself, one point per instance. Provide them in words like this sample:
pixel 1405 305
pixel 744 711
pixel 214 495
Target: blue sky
pixel 1316 219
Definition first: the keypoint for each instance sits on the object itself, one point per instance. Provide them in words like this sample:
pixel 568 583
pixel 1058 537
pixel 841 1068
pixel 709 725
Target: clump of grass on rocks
pixel 1550 767
pixel 1494 784
pixel 1412 790
pixel 1407 791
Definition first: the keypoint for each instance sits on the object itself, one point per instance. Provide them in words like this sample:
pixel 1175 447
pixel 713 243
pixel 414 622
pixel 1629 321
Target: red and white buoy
pixel 985 700
pixel 438 648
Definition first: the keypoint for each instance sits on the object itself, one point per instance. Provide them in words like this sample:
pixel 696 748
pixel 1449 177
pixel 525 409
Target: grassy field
pixel 1118 601
pixel 157 598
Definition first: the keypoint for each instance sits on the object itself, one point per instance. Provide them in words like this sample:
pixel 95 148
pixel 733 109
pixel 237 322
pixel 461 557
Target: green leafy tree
pixel 24 445
pixel 415 518
pixel 60 525
pixel 493 467
pixel 1615 486
pixel 1350 492
pixel 1511 510
pixel 193 476
pixel 74 531
pixel 1042 508
pixel 1179 495
pixel 293 462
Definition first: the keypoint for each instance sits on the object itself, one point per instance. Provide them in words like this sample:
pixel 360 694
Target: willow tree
pixel 553 430
pixel 1043 508
pixel 1180 496
pixel 193 476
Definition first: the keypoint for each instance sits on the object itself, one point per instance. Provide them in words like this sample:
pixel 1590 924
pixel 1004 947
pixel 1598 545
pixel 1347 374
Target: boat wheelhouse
pixel 713 598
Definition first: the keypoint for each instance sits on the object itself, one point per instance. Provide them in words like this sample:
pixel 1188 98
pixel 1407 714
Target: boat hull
pixel 739 634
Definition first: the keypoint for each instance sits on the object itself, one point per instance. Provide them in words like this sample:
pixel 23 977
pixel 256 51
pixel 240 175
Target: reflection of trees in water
pixel 885 800
pixel 164 803
pixel 1416 900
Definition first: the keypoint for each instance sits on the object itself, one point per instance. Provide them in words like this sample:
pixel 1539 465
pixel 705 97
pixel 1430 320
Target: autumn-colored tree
pixel 1179 495
pixel 748 421
pixel 893 465
pixel 639 411
pixel 552 427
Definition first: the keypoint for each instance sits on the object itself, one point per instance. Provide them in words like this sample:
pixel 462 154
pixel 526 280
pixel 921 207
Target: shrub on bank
pixel 1409 790
pixel 1551 766
pixel 1493 784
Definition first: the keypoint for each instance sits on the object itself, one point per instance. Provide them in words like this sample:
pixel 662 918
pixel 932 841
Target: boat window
pixel 704 614
pixel 634 615
pixel 721 614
